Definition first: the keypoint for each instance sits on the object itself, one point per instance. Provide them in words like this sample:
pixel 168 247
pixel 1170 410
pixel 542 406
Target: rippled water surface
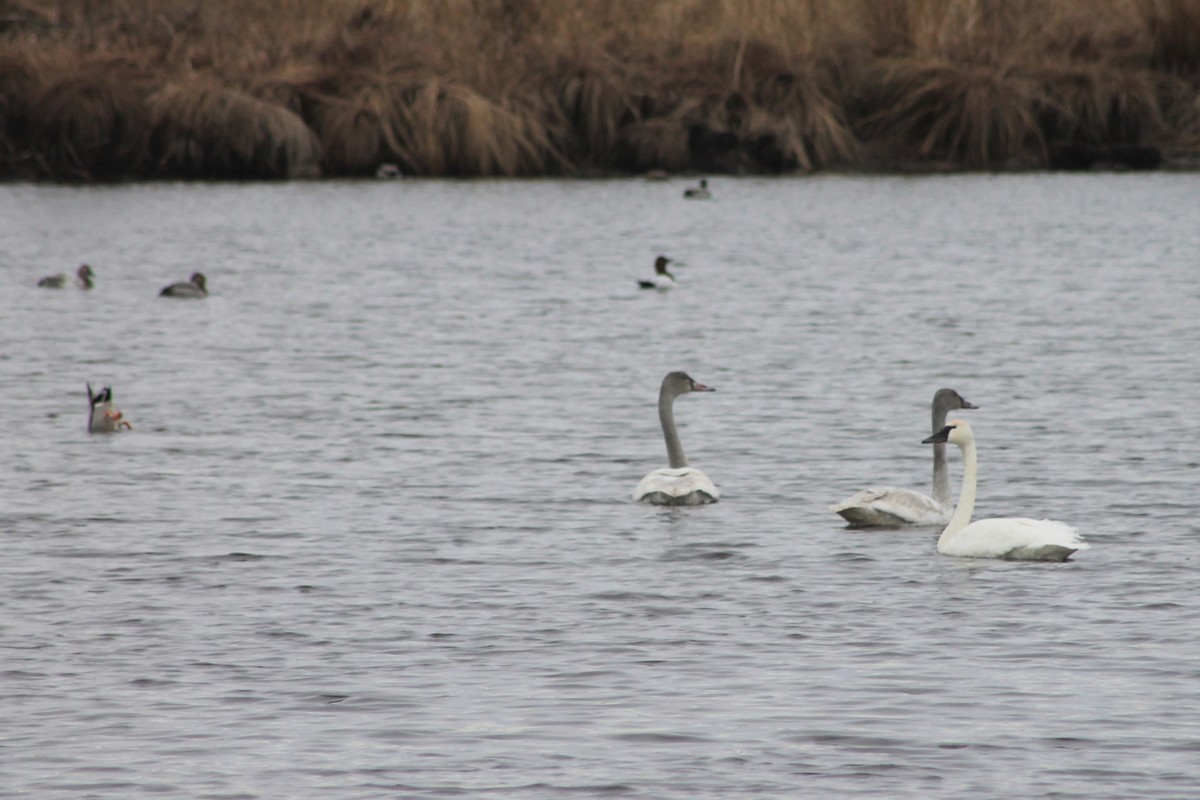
pixel 372 535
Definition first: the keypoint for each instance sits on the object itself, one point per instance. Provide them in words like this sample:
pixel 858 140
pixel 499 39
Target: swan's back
pixel 676 487
pixel 889 507
pixel 1016 539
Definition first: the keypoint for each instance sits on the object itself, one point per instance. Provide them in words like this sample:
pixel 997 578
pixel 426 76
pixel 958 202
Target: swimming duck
pixel 196 286
pixel 103 416
pixel 662 279
pixel 698 192
pixel 83 279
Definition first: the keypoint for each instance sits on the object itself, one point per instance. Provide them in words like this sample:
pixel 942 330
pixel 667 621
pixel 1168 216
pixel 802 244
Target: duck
pixel 677 484
pixel 197 286
pixel 889 507
pixel 103 416
pixel 1009 538
pixel 663 279
pixel 698 192
pixel 84 279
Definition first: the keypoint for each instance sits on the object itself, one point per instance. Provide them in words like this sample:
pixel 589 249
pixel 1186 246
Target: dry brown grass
pixel 588 105
pixel 17 87
pixel 445 128
pixel 526 87
pixel 203 129
pixel 1095 105
pixel 1172 28
pixel 86 117
pixel 977 115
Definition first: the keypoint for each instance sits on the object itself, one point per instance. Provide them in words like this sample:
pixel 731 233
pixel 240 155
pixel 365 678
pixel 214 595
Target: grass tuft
pixel 201 128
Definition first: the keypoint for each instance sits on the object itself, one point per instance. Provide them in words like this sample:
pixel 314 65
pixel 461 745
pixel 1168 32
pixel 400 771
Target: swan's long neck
pixel 666 415
pixel 966 495
pixel 941 473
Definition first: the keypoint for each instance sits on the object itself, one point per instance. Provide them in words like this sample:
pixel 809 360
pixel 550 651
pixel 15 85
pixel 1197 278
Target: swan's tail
pixel 1045 552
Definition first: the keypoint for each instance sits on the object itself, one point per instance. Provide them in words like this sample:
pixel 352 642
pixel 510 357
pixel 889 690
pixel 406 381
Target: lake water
pixel 372 535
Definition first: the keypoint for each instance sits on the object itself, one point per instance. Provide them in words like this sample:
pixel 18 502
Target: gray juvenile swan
pixel 1011 538
pixel 678 484
pixel 888 507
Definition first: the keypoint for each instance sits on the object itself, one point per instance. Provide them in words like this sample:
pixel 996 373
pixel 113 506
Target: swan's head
pixel 660 265
pixel 957 432
pixel 198 279
pixel 950 400
pixel 677 383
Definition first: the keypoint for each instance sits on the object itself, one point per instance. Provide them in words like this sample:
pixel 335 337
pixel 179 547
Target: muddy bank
pixel 305 88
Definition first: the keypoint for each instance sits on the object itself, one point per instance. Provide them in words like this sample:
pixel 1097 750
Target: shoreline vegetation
pixel 97 90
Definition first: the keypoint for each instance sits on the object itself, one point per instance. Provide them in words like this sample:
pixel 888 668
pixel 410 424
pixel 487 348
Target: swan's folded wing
pixel 667 486
pixel 891 507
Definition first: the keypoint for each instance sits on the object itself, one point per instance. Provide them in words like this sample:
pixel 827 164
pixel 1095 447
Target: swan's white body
pixel 676 487
pixel 678 484
pixel 1011 538
pixel 889 507
pixel 103 416
pixel 197 286
pixel 662 280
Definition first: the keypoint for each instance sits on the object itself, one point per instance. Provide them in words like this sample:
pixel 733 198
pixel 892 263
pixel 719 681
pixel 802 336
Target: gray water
pixel 372 535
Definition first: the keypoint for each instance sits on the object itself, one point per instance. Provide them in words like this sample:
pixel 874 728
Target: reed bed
pixel 287 88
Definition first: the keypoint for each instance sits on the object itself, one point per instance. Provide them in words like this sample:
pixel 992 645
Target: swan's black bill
pixel 941 436
pixel 966 403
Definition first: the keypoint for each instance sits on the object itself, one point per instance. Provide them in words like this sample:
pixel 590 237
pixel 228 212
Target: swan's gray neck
pixel 966 495
pixel 941 473
pixel 666 415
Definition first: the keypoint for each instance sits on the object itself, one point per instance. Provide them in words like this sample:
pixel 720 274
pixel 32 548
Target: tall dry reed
pixel 204 129
pixel 527 87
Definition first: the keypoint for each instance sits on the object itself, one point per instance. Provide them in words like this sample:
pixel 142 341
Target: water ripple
pixel 371 536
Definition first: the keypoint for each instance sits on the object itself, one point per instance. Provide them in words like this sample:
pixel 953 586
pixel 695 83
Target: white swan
pixel 679 484
pixel 197 286
pixel 1012 538
pixel 83 279
pixel 888 507
pixel 663 280
pixel 103 416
